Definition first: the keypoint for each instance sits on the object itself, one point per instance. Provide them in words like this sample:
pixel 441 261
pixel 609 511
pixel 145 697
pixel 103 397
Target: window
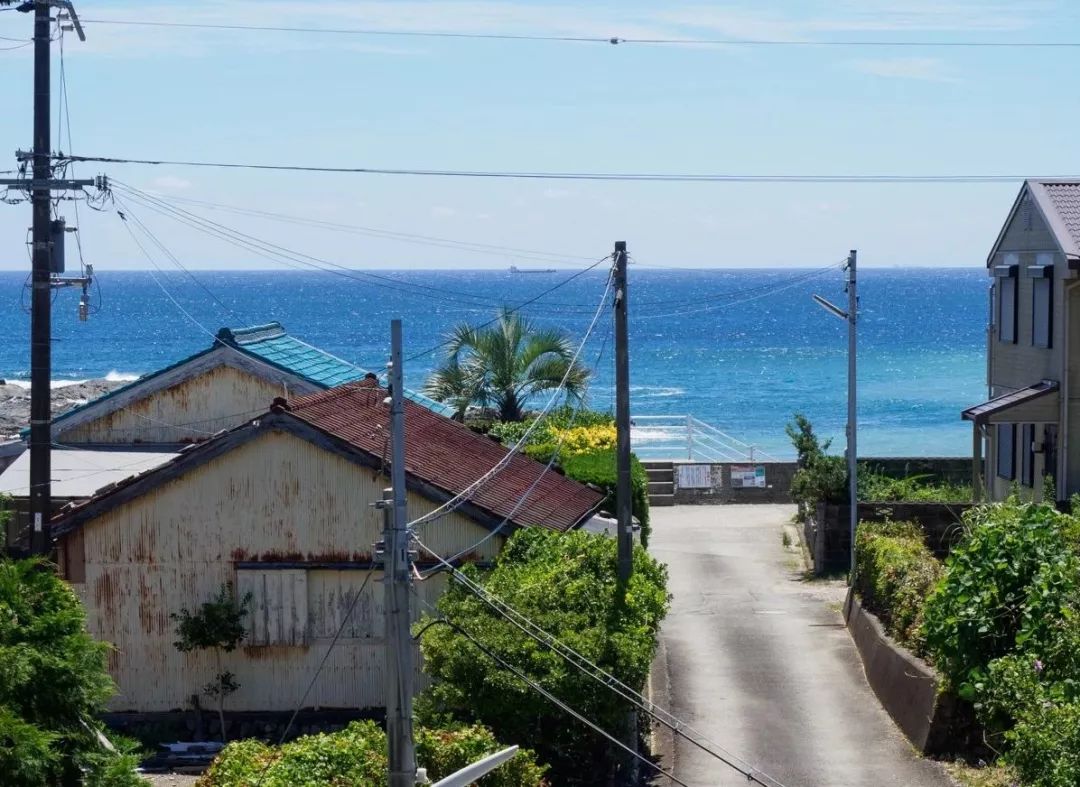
pixel 1027 455
pixel 1042 304
pixel 1006 451
pixel 1006 304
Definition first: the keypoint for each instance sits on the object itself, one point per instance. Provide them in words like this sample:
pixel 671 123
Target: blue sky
pixel 459 104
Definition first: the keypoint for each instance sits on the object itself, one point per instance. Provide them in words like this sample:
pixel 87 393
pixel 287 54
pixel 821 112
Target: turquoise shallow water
pixel 739 349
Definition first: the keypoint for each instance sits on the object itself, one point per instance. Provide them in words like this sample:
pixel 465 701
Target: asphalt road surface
pixel 757 658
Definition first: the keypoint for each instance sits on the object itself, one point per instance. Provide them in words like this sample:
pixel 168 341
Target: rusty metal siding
pixel 219 398
pixel 276 498
pixel 277 604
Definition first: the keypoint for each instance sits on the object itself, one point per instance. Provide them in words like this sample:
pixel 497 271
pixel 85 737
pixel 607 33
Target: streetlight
pixel 850 317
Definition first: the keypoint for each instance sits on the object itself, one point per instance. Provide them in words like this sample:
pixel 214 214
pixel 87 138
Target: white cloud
pixel 925 69
pixel 441 211
pixel 171 183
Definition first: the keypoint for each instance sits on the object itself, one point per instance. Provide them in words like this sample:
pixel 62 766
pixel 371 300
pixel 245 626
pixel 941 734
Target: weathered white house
pixel 187 402
pixel 1030 426
pixel 281 507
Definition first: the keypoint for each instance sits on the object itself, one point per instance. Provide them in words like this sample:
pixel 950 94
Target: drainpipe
pixel 1063 418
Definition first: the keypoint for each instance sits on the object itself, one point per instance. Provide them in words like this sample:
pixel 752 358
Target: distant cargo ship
pixel 516 269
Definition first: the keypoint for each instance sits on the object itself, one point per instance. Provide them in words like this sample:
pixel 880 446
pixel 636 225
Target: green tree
pixel 218 626
pixel 503 365
pixel 53 685
pixel 567 584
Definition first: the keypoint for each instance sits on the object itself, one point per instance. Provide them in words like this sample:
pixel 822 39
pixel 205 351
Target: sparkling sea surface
pixel 739 349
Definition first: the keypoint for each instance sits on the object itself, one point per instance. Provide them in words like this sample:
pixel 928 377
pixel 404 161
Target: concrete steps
pixel 661 483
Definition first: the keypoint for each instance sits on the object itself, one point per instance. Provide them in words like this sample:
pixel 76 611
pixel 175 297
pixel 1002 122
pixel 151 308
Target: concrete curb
pixel 906 686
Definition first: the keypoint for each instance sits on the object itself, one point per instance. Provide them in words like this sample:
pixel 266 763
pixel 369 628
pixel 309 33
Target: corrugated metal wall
pixel 219 398
pixel 276 498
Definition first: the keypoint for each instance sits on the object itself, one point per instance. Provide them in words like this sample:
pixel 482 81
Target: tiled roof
pixel 1059 201
pixel 450 456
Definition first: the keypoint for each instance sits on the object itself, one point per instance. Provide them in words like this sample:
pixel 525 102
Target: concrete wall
pixel 777 487
pixel 828 532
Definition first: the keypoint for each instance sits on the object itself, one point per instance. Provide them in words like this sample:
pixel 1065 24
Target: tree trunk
pixel 221 700
pixel 510 408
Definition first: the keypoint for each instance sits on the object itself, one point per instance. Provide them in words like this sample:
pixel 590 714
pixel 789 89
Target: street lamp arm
pixel 829 307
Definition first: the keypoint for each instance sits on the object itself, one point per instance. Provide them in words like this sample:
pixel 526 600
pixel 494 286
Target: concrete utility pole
pixel 46 253
pixel 851 317
pixel 852 410
pixel 397 579
pixel 623 500
pixel 623 507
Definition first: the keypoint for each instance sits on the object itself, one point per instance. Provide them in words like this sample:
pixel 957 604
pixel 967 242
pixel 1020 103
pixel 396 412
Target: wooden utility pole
pixel 397 579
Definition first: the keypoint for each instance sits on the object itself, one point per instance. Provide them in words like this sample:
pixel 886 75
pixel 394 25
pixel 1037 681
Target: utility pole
pixel 851 317
pixel 397 583
pixel 623 502
pixel 852 410
pixel 44 236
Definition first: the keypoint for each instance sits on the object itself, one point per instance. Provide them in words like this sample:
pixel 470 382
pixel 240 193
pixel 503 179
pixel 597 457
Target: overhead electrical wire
pixel 588 39
pixel 609 681
pixel 283 254
pixel 648 177
pixel 563 706
pixel 465 494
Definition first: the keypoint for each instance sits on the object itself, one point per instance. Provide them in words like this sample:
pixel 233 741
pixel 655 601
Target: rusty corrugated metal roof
pixel 450 456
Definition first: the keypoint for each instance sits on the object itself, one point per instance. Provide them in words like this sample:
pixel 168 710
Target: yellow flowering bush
pixel 584 439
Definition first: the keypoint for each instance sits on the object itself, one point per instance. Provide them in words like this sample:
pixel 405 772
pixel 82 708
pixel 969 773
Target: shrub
pixel 1004 585
pixel 53 683
pixel 1046 746
pixel 567 584
pixel 599 469
pixel 822 478
pixel 357 756
pixel 913 489
pixel 895 572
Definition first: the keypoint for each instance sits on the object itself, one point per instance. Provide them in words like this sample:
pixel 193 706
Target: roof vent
pixel 1025 213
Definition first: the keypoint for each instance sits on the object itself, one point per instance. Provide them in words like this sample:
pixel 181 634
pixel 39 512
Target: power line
pixel 609 681
pixel 647 177
pixel 279 253
pixel 542 691
pixel 593 39
pixel 463 496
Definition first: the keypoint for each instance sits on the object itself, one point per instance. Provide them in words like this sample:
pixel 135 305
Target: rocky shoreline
pixel 15 401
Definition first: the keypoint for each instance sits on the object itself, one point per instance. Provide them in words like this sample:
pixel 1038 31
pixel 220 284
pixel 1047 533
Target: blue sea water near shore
pixel 739 349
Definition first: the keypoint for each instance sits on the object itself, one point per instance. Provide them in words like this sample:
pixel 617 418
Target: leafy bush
pixel 1004 585
pixel 53 683
pixel 895 572
pixel 1045 745
pixel 821 479
pixel 357 756
pixel 877 487
pixel 567 584
pixel 559 419
pixel 599 469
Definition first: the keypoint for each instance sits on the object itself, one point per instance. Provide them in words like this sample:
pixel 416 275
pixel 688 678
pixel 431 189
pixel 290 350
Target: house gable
pixel 1032 226
pixel 185 403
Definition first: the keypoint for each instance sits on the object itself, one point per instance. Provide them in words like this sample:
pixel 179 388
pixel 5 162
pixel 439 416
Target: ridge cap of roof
pixel 252 334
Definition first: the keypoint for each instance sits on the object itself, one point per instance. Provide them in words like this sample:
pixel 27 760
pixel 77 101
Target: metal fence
pixel 685 437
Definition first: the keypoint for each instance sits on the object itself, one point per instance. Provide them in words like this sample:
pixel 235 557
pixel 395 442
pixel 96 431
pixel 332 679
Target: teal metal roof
pixel 271 344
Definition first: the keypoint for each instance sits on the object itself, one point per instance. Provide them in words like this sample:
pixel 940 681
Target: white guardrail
pixel 685 437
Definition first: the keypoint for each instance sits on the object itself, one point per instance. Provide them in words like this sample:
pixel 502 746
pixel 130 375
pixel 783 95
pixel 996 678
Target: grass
pixel 987 776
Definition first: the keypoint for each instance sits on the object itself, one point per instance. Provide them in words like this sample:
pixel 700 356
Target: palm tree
pixel 503 365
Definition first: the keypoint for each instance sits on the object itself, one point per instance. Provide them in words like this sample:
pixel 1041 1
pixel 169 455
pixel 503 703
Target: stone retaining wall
pixel 827 533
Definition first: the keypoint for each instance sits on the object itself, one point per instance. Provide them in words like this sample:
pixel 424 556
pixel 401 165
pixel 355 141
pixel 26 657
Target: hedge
pixel 598 468
pixel 567 584
pixel 895 572
pixel 357 756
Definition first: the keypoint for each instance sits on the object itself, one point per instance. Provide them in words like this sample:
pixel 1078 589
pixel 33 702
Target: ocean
pixel 741 350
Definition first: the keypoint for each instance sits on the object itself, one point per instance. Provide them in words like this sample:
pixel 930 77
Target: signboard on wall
pixel 694 476
pixel 748 476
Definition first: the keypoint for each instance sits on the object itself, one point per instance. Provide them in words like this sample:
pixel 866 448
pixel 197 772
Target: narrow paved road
pixel 758 659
